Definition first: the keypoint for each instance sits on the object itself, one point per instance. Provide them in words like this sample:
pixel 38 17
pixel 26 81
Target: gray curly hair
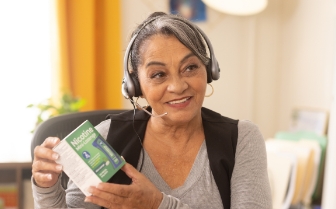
pixel 167 24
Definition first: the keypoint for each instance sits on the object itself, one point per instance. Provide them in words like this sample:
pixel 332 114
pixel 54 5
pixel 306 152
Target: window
pixel 25 72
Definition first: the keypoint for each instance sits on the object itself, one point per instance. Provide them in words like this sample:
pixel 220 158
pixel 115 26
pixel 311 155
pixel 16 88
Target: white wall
pixel 270 62
pixel 306 62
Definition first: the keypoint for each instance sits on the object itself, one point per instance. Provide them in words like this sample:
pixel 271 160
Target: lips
pixel 179 101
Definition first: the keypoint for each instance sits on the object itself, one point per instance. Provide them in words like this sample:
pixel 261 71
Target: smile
pixel 179 101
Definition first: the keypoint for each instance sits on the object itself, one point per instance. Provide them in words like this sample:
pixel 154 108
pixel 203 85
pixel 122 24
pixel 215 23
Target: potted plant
pixel 47 108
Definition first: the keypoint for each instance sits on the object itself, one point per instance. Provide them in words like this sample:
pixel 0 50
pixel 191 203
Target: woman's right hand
pixel 45 170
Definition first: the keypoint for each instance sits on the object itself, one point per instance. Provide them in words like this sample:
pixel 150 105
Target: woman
pixel 187 156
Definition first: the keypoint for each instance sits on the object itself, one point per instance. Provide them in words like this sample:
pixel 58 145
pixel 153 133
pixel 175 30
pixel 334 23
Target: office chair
pixel 60 126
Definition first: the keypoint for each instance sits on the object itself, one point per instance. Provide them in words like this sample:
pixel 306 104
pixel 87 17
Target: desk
pixel 16 172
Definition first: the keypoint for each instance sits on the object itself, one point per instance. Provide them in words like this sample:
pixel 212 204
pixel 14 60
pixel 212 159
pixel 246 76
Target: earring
pixel 212 91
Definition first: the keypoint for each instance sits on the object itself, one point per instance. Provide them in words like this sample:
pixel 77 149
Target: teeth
pixel 179 101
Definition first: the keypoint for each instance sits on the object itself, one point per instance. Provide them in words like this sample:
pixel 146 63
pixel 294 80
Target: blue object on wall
pixel 193 10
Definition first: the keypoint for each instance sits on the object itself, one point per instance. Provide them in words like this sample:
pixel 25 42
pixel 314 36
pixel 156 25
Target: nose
pixel 177 85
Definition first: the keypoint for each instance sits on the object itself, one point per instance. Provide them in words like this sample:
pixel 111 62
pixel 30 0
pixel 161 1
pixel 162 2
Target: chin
pixel 183 117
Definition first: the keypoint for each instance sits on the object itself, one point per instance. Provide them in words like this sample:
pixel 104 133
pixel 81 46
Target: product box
pixel 87 158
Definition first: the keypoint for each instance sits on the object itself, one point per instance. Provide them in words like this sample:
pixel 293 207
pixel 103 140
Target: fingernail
pixel 55 156
pixel 55 140
pixel 59 167
pixel 49 176
pixel 100 186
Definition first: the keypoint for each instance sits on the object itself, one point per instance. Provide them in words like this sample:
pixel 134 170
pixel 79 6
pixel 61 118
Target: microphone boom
pixel 155 116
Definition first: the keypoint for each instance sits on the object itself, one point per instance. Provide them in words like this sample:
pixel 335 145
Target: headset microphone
pixel 144 109
pixel 151 114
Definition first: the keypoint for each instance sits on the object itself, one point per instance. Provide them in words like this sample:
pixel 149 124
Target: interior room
pixel 277 69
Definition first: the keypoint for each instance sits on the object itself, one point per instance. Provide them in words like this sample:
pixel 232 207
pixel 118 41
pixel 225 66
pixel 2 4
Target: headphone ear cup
pixel 137 88
pixel 215 71
pixel 209 72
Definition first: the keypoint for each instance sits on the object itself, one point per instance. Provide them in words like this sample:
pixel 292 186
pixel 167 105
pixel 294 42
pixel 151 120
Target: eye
pixel 157 75
pixel 192 67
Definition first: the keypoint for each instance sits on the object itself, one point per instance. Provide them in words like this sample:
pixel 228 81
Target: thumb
pixel 130 171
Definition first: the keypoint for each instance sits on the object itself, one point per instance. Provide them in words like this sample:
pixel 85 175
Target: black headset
pixel 130 85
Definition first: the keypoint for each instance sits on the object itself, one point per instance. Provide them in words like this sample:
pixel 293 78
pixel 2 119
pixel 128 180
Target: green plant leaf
pixel 47 109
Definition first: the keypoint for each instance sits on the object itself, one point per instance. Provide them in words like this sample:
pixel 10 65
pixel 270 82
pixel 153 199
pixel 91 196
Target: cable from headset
pixel 142 148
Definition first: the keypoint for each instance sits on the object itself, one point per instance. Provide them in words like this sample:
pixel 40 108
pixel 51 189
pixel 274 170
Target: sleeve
pixel 75 198
pixel 249 182
pixel 56 197
pixel 52 197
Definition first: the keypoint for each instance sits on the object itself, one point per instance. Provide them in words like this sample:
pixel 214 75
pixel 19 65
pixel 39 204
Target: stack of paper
pixel 310 139
pixel 304 153
pixel 282 175
pixel 312 170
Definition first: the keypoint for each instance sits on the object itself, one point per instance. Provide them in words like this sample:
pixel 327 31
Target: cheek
pixel 152 94
pixel 200 84
pixel 201 89
pixel 142 82
pixel 149 91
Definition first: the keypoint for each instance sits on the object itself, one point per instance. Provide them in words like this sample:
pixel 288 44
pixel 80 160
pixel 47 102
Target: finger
pixel 51 166
pixel 130 171
pixel 42 179
pixel 50 142
pixel 109 197
pixel 119 189
pixel 45 149
pixel 115 189
pixel 42 153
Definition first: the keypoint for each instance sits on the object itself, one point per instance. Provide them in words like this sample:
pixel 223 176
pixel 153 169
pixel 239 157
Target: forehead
pixel 161 46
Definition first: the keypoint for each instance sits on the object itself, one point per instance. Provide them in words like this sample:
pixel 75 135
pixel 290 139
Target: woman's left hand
pixel 141 193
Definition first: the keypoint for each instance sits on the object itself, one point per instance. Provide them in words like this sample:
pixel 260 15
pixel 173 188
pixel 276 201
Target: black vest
pixel 220 136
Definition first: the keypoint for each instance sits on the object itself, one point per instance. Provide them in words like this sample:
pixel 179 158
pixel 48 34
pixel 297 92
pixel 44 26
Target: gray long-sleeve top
pixel 249 183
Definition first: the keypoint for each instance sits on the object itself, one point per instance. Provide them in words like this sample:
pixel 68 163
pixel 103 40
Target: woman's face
pixel 172 78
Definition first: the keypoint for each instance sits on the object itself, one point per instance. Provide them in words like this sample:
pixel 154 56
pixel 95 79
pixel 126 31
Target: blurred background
pixel 277 61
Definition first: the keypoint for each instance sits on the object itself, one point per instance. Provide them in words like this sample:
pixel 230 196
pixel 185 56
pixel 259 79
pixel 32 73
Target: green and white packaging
pixel 87 158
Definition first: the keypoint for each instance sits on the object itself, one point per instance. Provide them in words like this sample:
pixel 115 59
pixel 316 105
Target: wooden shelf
pixel 16 172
